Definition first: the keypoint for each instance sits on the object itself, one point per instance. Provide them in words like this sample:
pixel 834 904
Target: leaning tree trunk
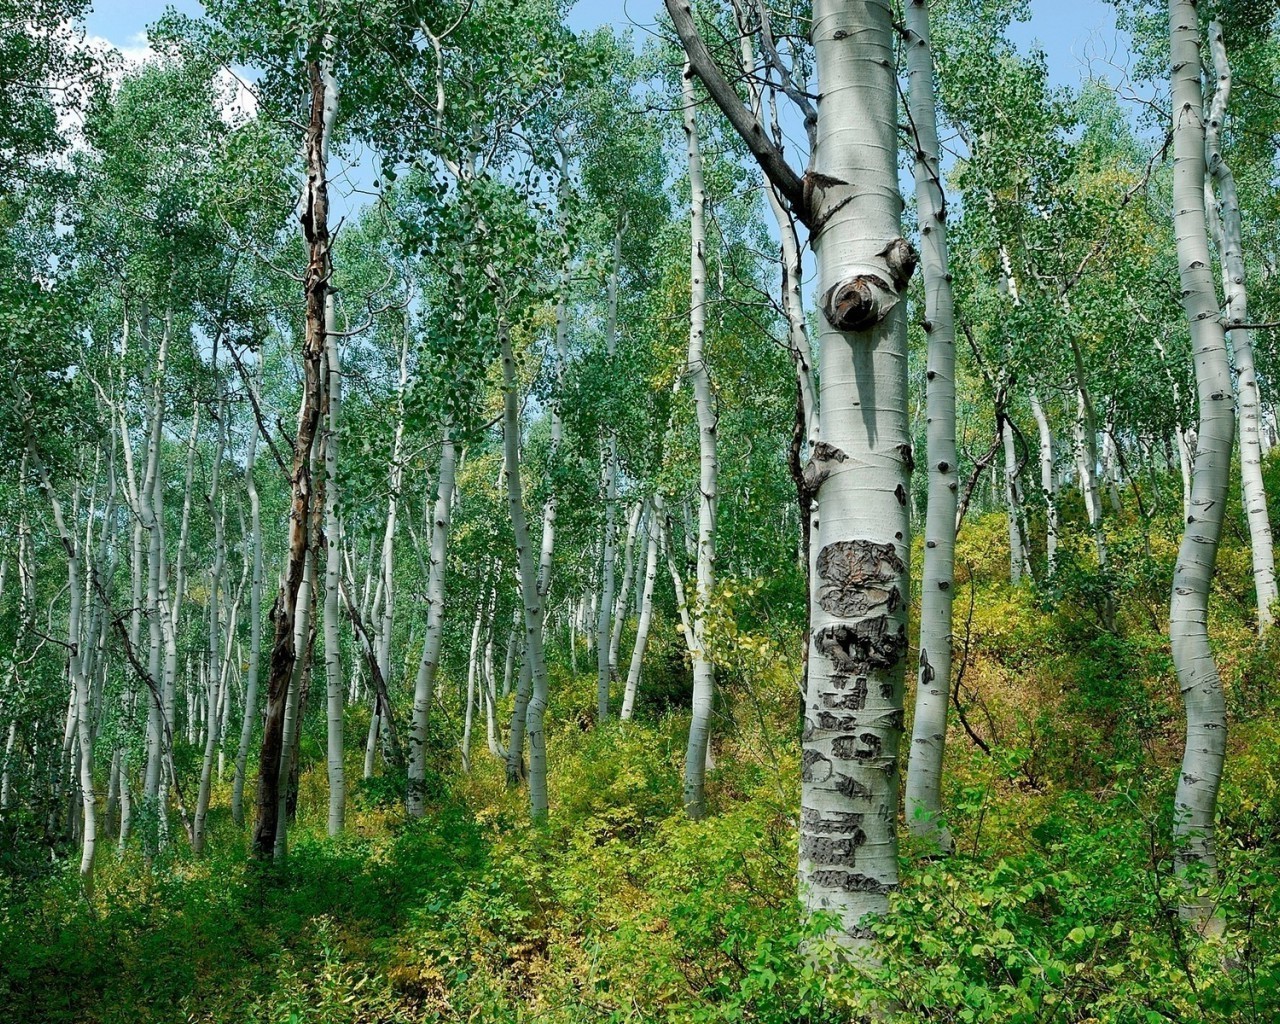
pixel 695 762
pixel 1196 798
pixel 315 228
pixel 646 609
pixel 1226 218
pixel 933 681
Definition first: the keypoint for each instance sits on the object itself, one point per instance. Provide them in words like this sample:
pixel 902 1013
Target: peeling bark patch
pixel 862 647
pixel 815 767
pixel 819 466
pixel 826 720
pixel 852 788
pixel 859 577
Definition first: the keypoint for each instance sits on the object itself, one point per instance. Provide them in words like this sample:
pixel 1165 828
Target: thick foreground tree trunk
pixel 1196 798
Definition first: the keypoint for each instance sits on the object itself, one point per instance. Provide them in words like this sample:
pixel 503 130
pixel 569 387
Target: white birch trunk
pixel 1195 801
pixel 695 801
pixel 255 634
pixel 1226 218
pixel 860 590
pixel 334 691
pixel 933 680
pixel 429 662
pixel 1048 483
pixel 646 610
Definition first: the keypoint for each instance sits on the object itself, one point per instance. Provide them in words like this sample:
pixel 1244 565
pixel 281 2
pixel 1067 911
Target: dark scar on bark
pixel 849 881
pixel 818 468
pixel 815 767
pixel 859 577
pixel 852 788
pixel 854 699
pixel 845 822
pixel 862 647
pixel 832 850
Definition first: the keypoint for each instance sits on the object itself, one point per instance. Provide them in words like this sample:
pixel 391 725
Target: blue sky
pixel 1068 32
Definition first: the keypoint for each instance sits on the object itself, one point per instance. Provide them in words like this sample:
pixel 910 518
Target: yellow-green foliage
pixel 1058 904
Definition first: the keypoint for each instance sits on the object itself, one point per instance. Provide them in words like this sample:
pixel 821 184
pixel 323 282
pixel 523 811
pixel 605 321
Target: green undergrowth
pixel 1057 907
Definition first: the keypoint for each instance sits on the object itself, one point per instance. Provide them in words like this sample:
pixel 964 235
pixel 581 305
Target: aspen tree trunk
pixel 520 706
pixel 1226 218
pixel 1019 558
pixel 473 668
pixel 79 682
pixel 333 582
pixel 255 634
pixel 314 215
pixel 604 670
pixel 933 680
pixel 1197 792
pixel 212 696
pixel 530 591
pixel 695 763
pixel 1048 484
pixel 624 589
pixel 646 609
pixel 429 662
pixel 848 842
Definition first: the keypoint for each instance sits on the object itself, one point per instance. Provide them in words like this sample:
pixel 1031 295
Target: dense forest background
pixel 762 513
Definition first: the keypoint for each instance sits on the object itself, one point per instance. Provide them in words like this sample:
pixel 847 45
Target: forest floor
pixel 1058 905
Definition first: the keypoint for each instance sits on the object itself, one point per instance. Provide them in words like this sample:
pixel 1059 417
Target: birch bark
pixel 933 680
pixel 1195 800
pixel 695 763
pixel 1226 218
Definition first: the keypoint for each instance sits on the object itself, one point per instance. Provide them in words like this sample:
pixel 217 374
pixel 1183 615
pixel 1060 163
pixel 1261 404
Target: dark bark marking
pixel 815 767
pixel 862 647
pixel 852 788
pixel 859 577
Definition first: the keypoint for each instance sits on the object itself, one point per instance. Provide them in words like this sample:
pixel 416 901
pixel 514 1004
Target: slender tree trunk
pixel 332 584
pixel 315 227
pixel 530 591
pixel 255 635
pixel 604 675
pixel 428 663
pixel 1048 483
pixel 646 609
pixel 79 682
pixel 1225 217
pixel 695 799
pixel 1196 799
pixel 624 589
pixel 933 680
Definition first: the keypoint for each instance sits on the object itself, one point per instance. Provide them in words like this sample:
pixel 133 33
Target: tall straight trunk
pixel 428 663
pixel 314 216
pixel 1048 483
pixel 933 680
pixel 79 681
pixel 546 553
pixel 646 609
pixel 214 671
pixel 604 675
pixel 529 590
pixel 332 584
pixel 473 669
pixel 292 721
pixel 695 762
pixel 1226 218
pixel 255 634
pixel 1196 798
